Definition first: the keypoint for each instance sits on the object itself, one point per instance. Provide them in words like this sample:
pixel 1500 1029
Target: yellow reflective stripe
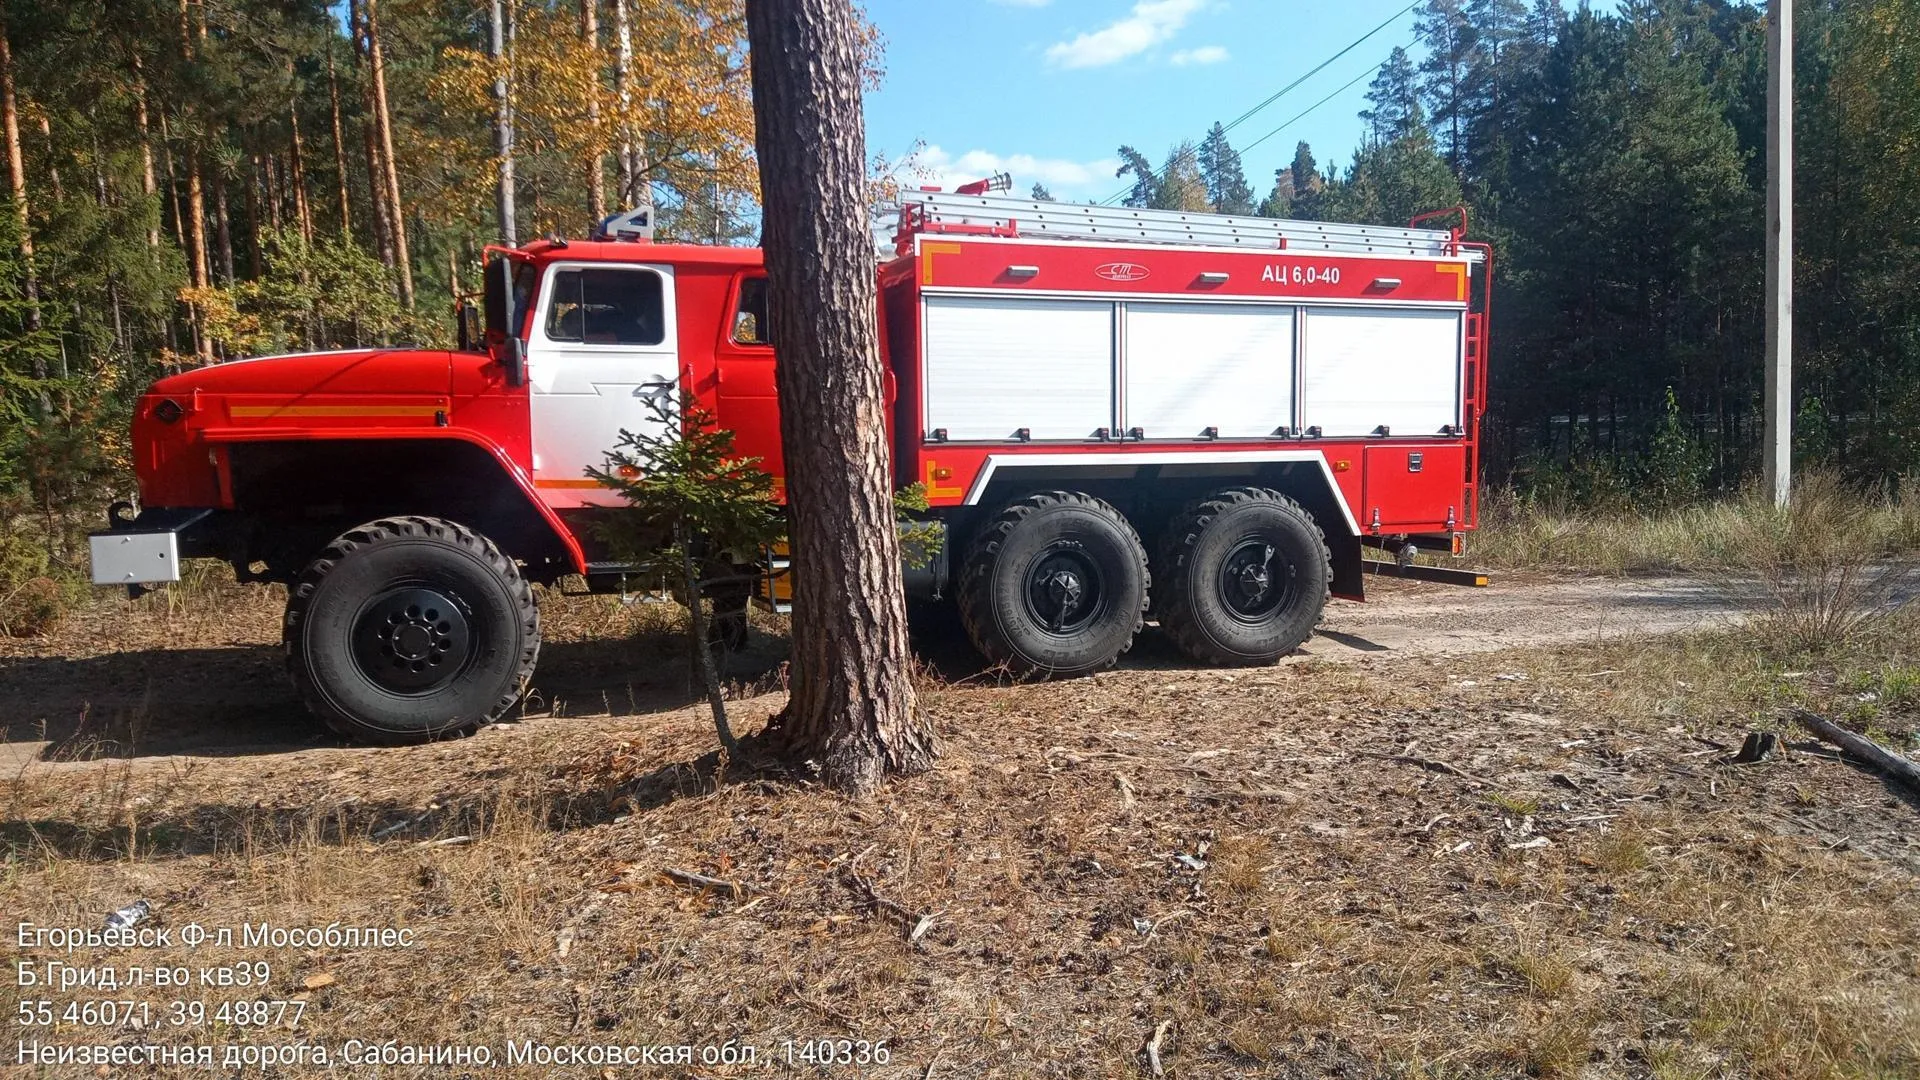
pixel 239 411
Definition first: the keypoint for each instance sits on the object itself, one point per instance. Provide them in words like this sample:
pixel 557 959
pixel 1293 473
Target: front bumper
pixel 146 550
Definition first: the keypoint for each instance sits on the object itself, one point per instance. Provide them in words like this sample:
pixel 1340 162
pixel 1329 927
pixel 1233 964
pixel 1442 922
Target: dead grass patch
pixel 1619 901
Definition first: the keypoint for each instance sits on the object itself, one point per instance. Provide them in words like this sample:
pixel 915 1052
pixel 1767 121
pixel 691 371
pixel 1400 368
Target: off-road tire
pixel 995 579
pixel 1192 601
pixel 328 613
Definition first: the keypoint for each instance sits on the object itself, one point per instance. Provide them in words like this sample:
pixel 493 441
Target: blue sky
pixel 1047 89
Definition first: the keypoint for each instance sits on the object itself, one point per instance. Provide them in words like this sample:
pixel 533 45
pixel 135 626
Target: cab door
pixel 601 354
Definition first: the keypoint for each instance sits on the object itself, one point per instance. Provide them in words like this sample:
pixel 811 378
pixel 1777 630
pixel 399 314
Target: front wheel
pixel 411 628
pixel 1245 576
pixel 1054 585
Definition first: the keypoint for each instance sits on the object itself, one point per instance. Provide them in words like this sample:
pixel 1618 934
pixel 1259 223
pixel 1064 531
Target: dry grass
pixel 1336 914
pixel 1742 534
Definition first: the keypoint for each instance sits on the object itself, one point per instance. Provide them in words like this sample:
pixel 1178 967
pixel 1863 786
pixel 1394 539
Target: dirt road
pixel 162 678
pixel 1425 619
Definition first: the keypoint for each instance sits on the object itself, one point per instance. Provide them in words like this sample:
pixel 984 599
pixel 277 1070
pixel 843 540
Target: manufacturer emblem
pixel 1122 271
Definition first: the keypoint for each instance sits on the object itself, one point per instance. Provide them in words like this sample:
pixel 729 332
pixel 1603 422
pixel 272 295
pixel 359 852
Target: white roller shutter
pixel 994 366
pixel 1367 368
pixel 1190 367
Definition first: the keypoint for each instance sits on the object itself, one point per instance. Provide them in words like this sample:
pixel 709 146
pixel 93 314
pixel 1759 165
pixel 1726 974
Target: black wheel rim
pixel 412 640
pixel 1256 581
pixel 1065 589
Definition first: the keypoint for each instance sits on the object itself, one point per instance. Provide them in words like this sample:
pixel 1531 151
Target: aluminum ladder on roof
pixel 999 215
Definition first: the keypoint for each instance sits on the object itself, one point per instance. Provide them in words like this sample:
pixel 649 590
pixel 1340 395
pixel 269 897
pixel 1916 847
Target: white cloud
pixel 1063 177
pixel 1205 54
pixel 1021 3
pixel 1148 24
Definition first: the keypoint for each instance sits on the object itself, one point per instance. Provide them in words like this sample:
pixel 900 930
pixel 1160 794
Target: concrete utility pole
pixel 1779 404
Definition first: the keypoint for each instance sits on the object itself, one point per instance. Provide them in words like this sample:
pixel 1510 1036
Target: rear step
pixel 1444 575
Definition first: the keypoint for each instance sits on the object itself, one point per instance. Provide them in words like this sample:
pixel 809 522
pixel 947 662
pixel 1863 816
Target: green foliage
pixel 327 294
pixel 1222 175
pixel 1180 183
pixel 687 492
pixel 919 540
pixel 1673 472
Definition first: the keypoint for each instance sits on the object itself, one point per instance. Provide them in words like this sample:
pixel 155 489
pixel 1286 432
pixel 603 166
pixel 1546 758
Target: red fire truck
pixel 1112 411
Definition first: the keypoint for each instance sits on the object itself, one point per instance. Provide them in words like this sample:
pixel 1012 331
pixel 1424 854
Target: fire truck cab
pixel 1112 413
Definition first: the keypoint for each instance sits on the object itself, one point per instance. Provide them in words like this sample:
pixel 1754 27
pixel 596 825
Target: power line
pixel 1277 95
pixel 1304 112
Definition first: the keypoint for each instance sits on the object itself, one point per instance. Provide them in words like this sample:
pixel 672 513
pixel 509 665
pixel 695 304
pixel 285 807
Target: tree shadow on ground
pixel 237 701
pixel 473 809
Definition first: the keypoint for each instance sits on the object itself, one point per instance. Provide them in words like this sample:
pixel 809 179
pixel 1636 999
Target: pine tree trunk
pixel 623 92
pixel 852 705
pixel 702 650
pixel 197 235
pixel 253 216
pixel 222 227
pixel 270 177
pixel 53 170
pixel 339 146
pixel 382 231
pixel 397 215
pixel 596 165
pixel 17 185
pixel 302 212
pixel 502 124
pixel 147 184
pixel 178 215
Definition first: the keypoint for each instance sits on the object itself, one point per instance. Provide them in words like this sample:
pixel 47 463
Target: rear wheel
pixel 1245 573
pixel 1056 584
pixel 411 628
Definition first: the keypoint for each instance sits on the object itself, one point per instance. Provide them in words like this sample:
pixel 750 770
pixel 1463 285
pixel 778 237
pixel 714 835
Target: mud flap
pixel 1349 571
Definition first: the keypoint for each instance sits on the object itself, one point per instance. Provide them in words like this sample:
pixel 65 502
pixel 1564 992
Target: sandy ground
pixel 1409 617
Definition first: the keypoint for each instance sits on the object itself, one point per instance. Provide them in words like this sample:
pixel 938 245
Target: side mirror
pixel 513 359
pixel 465 322
pixel 503 340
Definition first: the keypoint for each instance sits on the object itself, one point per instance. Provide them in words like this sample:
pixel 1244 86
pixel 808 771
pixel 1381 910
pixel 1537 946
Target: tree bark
pixel 147 183
pixel 623 92
pixel 17 185
pixel 173 185
pixel 502 123
pixel 222 226
pixel 397 217
pixel 302 212
pixel 253 216
pixel 339 146
pixel 382 230
pixel 1895 765
pixel 596 165
pixel 852 707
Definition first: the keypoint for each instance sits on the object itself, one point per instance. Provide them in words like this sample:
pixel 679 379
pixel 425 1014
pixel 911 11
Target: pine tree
pixel 1145 190
pixel 1221 172
pixel 1181 185
pixel 1393 99
pixel 1451 43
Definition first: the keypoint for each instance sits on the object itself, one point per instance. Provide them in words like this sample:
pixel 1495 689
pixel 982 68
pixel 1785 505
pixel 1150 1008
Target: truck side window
pixel 750 322
pixel 606 307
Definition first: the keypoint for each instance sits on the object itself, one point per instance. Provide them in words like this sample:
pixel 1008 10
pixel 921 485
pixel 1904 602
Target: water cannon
pixel 997 182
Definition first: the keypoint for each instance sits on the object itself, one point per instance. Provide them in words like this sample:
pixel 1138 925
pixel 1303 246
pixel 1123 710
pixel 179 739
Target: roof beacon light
pixel 631 225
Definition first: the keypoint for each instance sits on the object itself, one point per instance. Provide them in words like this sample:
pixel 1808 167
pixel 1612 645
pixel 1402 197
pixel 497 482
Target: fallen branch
pixel 702 881
pixel 1428 764
pixel 1895 765
pixel 1153 1048
pixel 917 923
